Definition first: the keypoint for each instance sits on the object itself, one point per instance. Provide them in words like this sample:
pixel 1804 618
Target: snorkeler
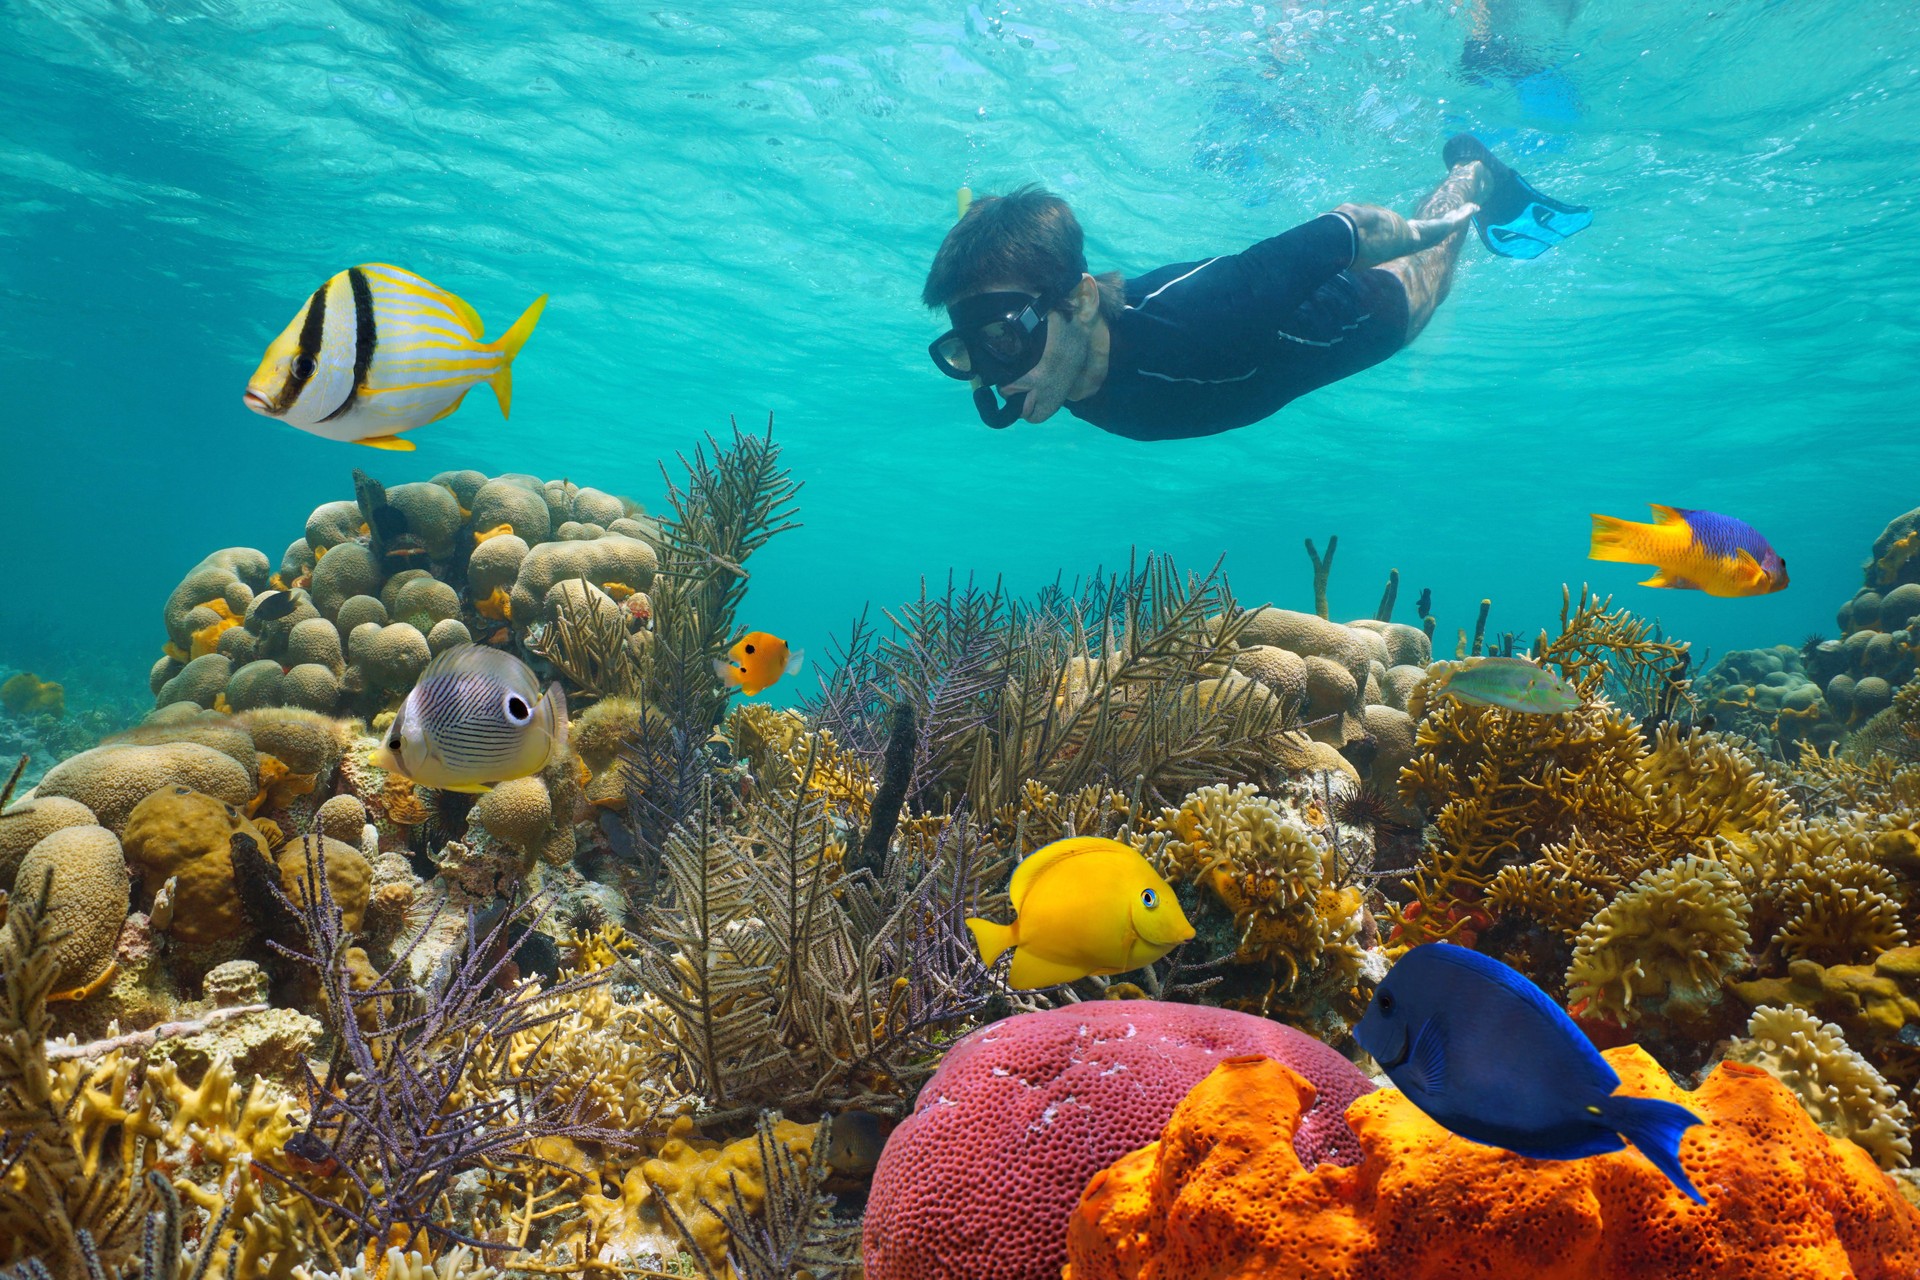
pixel 1197 348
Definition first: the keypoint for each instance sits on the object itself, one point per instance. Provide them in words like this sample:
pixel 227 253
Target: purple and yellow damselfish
pixel 376 351
pixel 1694 551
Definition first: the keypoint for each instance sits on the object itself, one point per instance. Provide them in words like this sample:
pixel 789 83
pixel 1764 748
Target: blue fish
pixel 1486 1054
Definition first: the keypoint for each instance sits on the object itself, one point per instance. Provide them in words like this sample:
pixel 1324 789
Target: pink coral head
pixel 980 1181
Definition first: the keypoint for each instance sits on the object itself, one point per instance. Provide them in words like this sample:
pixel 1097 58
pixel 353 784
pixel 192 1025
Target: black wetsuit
pixel 1204 347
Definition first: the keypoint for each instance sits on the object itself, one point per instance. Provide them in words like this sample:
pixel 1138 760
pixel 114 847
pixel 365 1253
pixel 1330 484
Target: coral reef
pixel 1224 1193
pixel 367 609
pixel 980 1179
pixel 665 1007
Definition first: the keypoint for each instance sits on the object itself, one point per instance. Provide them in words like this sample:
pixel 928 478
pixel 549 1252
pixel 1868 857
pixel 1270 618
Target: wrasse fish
pixel 1486 1054
pixel 1083 905
pixel 376 351
pixel 759 659
pixel 475 718
pixel 1513 683
pixel 1694 551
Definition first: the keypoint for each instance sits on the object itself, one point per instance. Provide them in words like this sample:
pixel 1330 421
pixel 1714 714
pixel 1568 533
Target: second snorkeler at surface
pixel 1196 348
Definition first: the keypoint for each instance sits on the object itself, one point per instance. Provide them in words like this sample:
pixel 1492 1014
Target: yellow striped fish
pixel 376 351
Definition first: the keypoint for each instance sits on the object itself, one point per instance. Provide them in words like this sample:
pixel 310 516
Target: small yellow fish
pixel 376 351
pixel 760 658
pixel 1083 905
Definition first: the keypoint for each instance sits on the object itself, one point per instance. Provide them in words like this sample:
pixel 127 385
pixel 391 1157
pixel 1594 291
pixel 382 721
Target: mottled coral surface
pixel 1223 1196
pixel 977 1184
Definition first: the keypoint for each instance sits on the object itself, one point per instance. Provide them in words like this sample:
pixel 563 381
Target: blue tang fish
pixel 1485 1053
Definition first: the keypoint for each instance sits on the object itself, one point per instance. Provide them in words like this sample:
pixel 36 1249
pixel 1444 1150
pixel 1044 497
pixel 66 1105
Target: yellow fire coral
pixel 1667 943
pixel 1820 892
pixel 1268 871
pixel 691 1174
pixel 1839 1088
pixel 25 694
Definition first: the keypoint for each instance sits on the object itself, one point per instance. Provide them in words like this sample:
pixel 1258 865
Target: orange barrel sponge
pixel 1223 1195
pixel 978 1183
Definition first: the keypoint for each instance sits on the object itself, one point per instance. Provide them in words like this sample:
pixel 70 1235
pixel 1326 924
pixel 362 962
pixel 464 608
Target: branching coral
pixel 67 1200
pixel 1839 1088
pixel 422 1087
pixel 781 978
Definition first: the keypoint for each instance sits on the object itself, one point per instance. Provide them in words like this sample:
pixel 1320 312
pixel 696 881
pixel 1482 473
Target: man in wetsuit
pixel 1194 348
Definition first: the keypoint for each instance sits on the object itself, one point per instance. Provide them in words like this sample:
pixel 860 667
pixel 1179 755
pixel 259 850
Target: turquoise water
pixel 733 208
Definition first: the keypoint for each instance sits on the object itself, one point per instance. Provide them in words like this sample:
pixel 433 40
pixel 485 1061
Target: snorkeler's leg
pixel 1427 275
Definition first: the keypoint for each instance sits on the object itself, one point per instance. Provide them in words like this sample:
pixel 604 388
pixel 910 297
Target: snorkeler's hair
pixel 1029 237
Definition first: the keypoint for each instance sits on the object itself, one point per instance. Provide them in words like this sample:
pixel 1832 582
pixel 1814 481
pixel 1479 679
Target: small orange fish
pixel 759 659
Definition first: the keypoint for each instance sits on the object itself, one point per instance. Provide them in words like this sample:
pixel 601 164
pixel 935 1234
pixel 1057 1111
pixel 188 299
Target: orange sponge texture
pixel 1222 1195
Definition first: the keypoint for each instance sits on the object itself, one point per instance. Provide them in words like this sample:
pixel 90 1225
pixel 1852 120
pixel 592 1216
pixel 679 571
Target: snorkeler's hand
pixel 1383 235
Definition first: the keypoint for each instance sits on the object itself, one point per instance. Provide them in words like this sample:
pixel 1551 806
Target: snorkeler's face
pixel 1069 345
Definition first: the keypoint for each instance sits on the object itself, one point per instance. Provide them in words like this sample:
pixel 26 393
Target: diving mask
pixel 996 338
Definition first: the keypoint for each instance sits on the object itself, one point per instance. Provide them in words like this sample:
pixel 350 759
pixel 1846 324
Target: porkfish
pixel 1694 551
pixel 1083 905
pixel 376 351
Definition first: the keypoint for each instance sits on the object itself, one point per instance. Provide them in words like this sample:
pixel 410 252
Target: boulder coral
pixel 29 822
pixel 180 835
pixel 112 780
pixel 1223 1195
pixel 475 553
pixel 978 1182
pixel 88 901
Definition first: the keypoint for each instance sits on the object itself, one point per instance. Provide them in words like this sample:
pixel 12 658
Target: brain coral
pixel 978 1182
pixel 89 901
pixel 112 780
pixel 29 822
pixel 1223 1196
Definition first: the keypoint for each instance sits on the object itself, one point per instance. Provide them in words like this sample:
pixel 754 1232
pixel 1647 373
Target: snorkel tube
pixel 995 414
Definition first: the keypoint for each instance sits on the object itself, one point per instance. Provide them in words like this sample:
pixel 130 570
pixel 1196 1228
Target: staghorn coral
pixel 1224 1196
pixel 1839 1088
pixel 1666 944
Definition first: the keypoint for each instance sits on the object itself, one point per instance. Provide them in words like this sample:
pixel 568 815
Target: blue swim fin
pixel 1516 220
pixel 1654 1128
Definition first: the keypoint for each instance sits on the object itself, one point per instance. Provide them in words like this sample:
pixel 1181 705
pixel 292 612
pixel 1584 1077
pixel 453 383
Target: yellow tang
pixel 1083 905
pixel 377 351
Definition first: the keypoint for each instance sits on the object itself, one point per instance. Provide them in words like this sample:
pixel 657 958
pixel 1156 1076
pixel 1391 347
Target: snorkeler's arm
pixel 1267 282
pixel 1381 235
